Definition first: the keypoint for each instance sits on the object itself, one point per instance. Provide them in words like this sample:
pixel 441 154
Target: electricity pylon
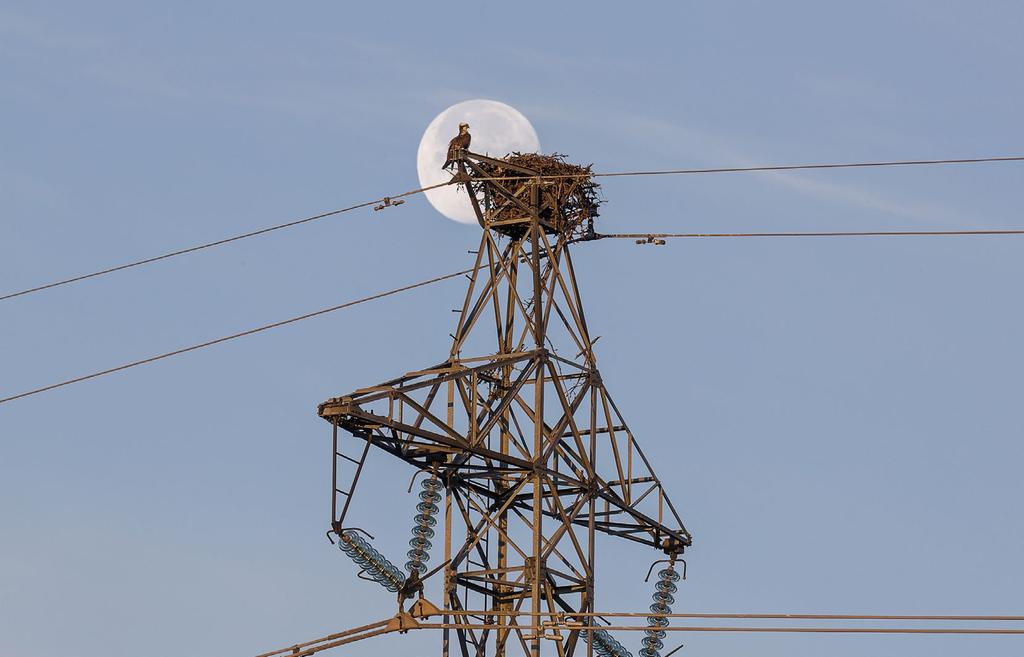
pixel 517 430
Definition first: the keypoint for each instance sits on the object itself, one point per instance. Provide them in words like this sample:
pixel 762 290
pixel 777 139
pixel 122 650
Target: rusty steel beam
pixel 518 425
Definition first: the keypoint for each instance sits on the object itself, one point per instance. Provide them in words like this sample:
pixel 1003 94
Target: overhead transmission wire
pixel 258 329
pixel 641 238
pixel 207 245
pixel 746 616
pixel 845 233
pixel 310 647
pixel 386 200
pixel 740 628
pixel 794 167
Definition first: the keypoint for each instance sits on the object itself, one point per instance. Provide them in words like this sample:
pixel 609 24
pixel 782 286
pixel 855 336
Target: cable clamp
pixel 388 203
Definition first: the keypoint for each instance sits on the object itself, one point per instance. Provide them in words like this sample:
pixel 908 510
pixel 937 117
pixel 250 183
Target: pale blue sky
pixel 839 422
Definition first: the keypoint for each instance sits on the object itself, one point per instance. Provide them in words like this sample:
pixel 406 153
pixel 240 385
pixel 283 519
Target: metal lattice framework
pixel 534 456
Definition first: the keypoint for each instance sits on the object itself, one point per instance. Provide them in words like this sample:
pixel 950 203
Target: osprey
pixel 458 143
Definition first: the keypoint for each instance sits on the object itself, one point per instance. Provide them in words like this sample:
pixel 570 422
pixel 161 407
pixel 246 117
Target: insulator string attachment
pixel 373 563
pixel 422 530
pixel 663 590
pixel 605 644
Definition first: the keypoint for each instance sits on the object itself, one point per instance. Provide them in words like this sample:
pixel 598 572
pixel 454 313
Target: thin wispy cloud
pixel 666 141
pixel 647 139
pixel 137 76
pixel 923 212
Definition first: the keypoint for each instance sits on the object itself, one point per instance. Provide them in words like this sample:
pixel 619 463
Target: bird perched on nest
pixel 459 143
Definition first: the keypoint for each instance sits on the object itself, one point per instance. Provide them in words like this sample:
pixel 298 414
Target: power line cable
pixel 649 237
pixel 199 247
pixel 307 648
pixel 776 615
pixel 767 167
pixel 258 329
pixel 640 237
pixel 795 167
pixel 312 646
pixel 387 201
pixel 725 629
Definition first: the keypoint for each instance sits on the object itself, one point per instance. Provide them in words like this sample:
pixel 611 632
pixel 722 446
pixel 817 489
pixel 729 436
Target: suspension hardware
pixel 662 597
pixel 388 203
pixel 423 530
pixel 374 565
pixel 605 644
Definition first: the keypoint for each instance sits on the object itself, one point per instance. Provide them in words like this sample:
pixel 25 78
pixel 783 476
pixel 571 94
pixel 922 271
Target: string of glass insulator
pixel 663 590
pixel 371 561
pixel 422 530
pixel 605 644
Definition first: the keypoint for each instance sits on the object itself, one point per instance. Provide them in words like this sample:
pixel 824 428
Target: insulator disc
pixel 669 573
pixel 425 519
pixel 428 495
pixel 652 642
pixel 663 597
pixel 418 555
pixel 666 585
pixel 423 531
pixel 426 507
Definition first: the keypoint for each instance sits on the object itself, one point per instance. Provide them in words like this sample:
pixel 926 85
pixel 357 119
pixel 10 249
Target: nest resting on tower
pixel 570 198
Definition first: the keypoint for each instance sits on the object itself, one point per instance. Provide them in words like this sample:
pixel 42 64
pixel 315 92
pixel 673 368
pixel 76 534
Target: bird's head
pixel 463 127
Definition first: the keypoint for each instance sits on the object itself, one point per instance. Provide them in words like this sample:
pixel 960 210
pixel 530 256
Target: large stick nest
pixel 572 196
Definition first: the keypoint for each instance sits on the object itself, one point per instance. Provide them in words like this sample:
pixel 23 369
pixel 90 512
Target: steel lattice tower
pixel 519 428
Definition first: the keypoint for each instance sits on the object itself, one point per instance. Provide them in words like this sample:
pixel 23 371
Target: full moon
pixel 497 129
